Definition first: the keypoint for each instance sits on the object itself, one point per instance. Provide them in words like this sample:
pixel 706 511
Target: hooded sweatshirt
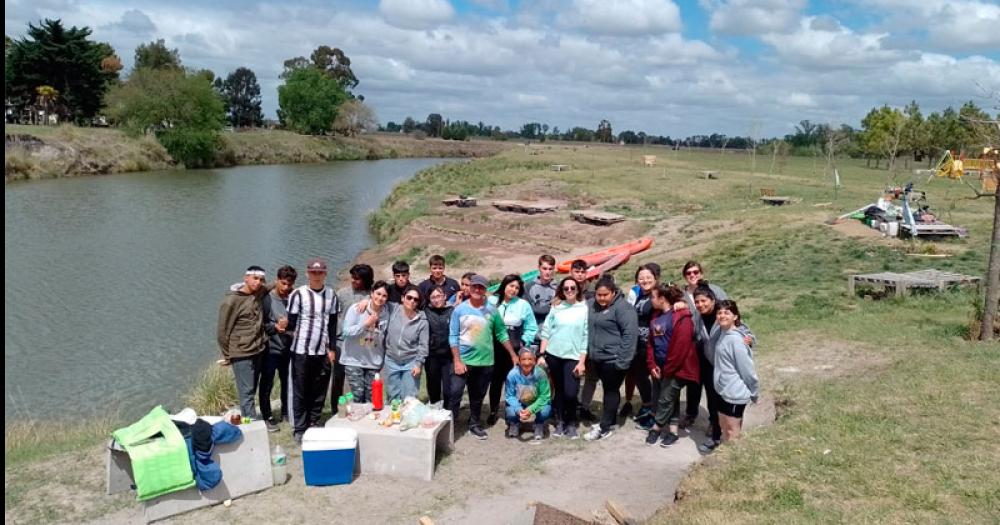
pixel 540 296
pixel 565 329
pixel 682 354
pixel 613 331
pixel 364 347
pixel 405 338
pixel 660 329
pixel 241 324
pixel 517 316
pixel 528 391
pixel 347 297
pixel 274 307
pixel 438 321
pixel 735 375
pixel 708 336
pixel 472 330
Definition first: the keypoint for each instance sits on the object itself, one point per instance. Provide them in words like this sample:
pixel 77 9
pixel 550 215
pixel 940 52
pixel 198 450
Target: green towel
pixel 159 455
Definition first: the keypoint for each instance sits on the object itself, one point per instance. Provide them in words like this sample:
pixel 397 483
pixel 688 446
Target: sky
pixel 678 68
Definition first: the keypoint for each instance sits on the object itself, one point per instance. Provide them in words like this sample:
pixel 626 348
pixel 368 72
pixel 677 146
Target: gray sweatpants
pixel 247 372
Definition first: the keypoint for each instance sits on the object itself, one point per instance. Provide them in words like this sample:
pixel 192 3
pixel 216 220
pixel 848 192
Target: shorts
pixel 731 410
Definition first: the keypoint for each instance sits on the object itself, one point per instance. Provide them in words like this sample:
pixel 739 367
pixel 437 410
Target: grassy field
pixel 886 412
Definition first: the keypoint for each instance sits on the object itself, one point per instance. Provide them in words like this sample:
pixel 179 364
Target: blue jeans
pixel 540 417
pixel 399 380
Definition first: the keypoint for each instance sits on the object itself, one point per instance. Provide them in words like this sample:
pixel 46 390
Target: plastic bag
pixel 413 414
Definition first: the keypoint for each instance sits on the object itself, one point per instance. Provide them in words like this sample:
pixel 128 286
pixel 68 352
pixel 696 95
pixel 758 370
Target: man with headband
pixel 241 335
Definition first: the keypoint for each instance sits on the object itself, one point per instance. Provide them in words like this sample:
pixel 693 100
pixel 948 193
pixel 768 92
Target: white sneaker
pixel 595 433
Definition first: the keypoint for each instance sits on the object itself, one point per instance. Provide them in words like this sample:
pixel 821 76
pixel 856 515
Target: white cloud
pixel 416 14
pixel 752 17
pixel 820 43
pixel 951 25
pixel 623 18
pixel 800 100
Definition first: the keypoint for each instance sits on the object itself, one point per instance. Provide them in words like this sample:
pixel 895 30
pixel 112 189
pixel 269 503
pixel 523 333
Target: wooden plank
pixel 617 513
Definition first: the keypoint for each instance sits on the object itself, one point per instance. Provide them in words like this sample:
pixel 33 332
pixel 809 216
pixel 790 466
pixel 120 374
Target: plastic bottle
pixel 342 406
pixel 279 462
pixel 350 403
pixel 377 393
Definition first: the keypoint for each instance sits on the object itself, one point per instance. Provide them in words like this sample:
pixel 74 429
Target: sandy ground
pixel 493 482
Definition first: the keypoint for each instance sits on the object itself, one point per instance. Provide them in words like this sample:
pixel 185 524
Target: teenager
pixel 241 335
pixel 364 334
pixel 463 289
pixel 528 396
pixel 578 270
pixel 312 311
pixel 437 278
pixel 612 329
pixel 406 340
pixel 279 344
pixel 438 363
pixel 362 279
pixel 735 375
pixel 640 297
pixel 540 291
pixel 563 345
pixel 475 325
pixel 672 367
pixel 521 329
pixel 400 280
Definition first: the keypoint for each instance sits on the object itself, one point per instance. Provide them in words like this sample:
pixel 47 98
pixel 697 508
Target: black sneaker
pixel 478 432
pixel 687 421
pixel 271 427
pixel 652 437
pixel 668 439
pixel 626 410
pixel 708 446
pixel 586 414
pixel 539 433
pixel 645 422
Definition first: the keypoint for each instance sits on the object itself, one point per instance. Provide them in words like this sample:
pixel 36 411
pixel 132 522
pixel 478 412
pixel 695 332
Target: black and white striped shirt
pixel 314 314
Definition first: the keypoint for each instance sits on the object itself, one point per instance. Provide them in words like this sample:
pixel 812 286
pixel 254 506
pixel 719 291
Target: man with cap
pixel 241 336
pixel 475 324
pixel 312 315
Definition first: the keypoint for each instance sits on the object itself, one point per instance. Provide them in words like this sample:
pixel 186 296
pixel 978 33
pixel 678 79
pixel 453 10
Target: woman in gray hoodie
pixel 735 375
pixel 613 328
pixel 406 345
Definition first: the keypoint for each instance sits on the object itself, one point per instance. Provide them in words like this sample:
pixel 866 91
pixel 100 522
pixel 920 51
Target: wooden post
pixel 850 286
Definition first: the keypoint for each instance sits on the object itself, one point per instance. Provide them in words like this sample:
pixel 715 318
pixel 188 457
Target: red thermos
pixel 377 393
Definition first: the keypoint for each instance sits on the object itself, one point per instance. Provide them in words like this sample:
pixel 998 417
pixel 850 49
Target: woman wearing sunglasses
pixel 694 275
pixel 406 346
pixel 564 347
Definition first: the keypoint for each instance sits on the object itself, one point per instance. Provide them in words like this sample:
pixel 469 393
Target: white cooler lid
pixel 321 438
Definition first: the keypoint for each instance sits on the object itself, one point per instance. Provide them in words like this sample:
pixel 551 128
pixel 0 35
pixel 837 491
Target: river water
pixel 112 284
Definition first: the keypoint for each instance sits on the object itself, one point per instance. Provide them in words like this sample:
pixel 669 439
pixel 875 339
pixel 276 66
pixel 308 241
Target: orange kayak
pixel 600 257
pixel 608 265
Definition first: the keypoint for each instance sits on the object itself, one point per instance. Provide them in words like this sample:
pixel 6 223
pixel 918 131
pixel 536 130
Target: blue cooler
pixel 328 455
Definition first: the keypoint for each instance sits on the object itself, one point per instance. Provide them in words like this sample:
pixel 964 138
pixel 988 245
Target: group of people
pixel 539 347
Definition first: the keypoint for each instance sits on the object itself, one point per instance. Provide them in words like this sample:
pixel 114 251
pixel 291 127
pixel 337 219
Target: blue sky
pixel 667 67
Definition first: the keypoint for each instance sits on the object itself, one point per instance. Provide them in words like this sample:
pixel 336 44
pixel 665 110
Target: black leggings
pixel 712 398
pixel 565 386
pixel 638 376
pixel 611 381
pixel 438 371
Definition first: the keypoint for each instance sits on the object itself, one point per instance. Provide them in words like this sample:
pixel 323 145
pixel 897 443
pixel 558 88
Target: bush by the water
pixel 195 148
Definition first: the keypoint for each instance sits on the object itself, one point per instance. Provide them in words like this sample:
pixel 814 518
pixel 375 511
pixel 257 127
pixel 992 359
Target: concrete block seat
pixel 409 453
pixel 245 464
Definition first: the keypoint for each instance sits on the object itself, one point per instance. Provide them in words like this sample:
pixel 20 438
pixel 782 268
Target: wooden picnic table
pixel 900 282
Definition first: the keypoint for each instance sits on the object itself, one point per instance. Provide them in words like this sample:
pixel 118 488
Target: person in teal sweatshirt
pixel 564 346
pixel 519 319
pixel 528 396
pixel 475 324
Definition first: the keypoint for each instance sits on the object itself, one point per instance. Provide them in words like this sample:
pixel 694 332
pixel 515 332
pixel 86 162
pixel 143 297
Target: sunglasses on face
pixel 411 297
pixel 569 288
pixel 693 272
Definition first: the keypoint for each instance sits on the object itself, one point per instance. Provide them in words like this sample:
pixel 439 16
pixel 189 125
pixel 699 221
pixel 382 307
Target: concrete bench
pixel 245 464
pixel 409 453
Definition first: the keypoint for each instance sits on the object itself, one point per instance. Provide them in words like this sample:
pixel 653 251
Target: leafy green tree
pixel 409 125
pixel 434 125
pixel 916 135
pixel 181 109
pixel 64 59
pixel 604 132
pixel 309 101
pixel 883 133
pixel 241 92
pixel 156 55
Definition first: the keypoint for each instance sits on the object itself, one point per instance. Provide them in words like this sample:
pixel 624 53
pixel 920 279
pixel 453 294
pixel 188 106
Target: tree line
pixel 59 71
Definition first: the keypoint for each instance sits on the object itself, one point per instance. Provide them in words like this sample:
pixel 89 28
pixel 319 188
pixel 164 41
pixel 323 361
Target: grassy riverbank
pixel 38 152
pixel 886 413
